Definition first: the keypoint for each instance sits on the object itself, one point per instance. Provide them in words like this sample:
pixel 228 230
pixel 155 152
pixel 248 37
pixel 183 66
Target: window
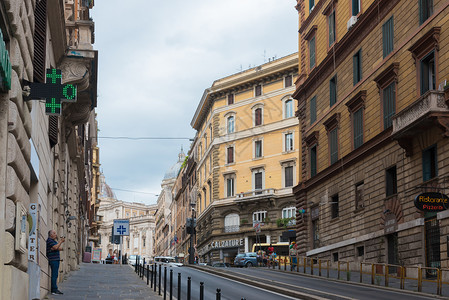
pixel 205 197
pixel 355 7
pixel 288 81
pixel 127 243
pixel 357 123
pixel 312 52
pixel 428 73
pixel 199 201
pixel 360 251
pixel 359 187
pixel 288 175
pixel 230 155
pixel 335 256
pixel 357 67
pixel 258 90
pixel 334 206
pixel 210 191
pixel 391 185
pixel 143 242
pixel 331 24
pixel 388 36
pixel 259 216
pixel 258 116
pixel 258 149
pixel 230 185
pixel 315 233
pixel 230 99
pixel 311 5
pixel 258 180
pixel 313 161
pixel 425 10
pixel 210 164
pixel 289 142
pixel 333 90
pixel 312 110
pixel 429 163
pixel 288 108
pixel 389 104
pixel 333 145
pixel 232 223
pixel 231 124
pixel 205 142
pixel 289 212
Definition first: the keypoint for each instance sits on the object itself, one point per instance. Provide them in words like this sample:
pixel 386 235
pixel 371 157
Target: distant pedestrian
pixel 293 255
pixel 53 248
pixel 115 257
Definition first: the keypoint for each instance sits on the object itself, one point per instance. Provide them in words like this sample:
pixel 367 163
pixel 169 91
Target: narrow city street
pixel 101 281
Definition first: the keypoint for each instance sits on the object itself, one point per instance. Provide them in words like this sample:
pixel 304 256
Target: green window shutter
pixel 312 52
pixel 358 128
pixel 333 90
pixel 313 167
pixel 389 108
pixel 388 37
pixel 333 145
pixel 312 110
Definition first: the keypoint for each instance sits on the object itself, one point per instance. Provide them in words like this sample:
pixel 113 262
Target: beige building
pixel 44 158
pixel 141 224
pixel 373 120
pixel 247 160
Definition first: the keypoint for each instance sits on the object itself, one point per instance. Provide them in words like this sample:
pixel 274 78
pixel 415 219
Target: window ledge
pixel 230 164
pixel 258 158
pixel 287 152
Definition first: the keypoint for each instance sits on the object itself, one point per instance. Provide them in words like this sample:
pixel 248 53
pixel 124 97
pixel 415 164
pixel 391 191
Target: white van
pixel 167 260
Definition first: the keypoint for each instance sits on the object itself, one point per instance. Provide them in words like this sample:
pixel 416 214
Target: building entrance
pixel 433 259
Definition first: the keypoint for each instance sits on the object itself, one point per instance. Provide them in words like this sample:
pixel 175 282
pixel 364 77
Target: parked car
pixel 247 259
pixel 132 260
pixel 221 265
pixel 167 260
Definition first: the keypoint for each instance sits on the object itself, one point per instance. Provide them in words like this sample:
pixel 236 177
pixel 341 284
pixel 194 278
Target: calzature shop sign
pixel 222 244
pixel 431 202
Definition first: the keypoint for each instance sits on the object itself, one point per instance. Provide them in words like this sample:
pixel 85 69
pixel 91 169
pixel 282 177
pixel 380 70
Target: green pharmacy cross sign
pixel 53 92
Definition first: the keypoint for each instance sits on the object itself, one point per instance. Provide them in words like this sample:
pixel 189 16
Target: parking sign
pixel 121 227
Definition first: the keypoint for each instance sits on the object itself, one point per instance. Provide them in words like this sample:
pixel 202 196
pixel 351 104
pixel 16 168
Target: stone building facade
pixel 373 127
pixel 247 159
pixel 45 160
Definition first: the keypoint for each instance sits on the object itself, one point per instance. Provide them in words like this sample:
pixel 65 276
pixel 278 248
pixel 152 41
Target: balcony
pixel 429 110
pixel 233 228
pixel 255 193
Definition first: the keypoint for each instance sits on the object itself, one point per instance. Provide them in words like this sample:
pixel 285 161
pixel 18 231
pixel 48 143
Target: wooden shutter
pixel 312 52
pixel 331 28
pixel 288 81
pixel 333 145
pixel 258 180
pixel 313 161
pixel 230 155
pixel 333 90
pixel 53 130
pixel 230 99
pixel 312 110
pixel 388 36
pixel 358 128
pixel 288 176
pixel 258 116
pixel 40 38
pixel 388 95
pixel 258 90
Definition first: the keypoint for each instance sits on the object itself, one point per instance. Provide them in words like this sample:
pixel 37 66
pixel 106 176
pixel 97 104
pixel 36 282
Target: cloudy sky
pixel 156 58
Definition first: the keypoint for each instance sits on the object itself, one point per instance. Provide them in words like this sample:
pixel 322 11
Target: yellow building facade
pixel 247 159
pixel 373 125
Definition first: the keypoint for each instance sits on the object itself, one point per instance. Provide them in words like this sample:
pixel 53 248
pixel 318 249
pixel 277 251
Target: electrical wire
pixel 130 191
pixel 143 138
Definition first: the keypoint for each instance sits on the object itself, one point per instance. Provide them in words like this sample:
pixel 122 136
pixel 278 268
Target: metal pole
pixel 189 286
pixel 218 297
pixel 165 282
pixel 155 277
pixel 148 274
pixel 201 290
pixel 160 271
pixel 120 253
pixel 171 284
pixel 179 286
pixel 152 273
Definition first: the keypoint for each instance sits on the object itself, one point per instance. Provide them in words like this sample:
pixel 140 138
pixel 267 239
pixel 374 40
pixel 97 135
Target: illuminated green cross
pixel 54 106
pixel 54 75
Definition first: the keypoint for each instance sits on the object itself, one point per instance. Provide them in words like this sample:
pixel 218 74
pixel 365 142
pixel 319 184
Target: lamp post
pixel 192 235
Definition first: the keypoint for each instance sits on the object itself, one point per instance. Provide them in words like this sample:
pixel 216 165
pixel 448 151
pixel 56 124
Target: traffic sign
pixel 121 227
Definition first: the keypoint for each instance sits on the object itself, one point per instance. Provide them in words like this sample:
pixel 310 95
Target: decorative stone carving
pixel 8 248
pixel 75 72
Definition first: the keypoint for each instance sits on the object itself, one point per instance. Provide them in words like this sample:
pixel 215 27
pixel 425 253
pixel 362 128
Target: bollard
pixel 311 266
pixel 148 274
pixel 189 283
pixel 160 273
pixel 135 267
pixel 155 277
pixel 201 290
pixel 143 268
pixel 179 286
pixel 218 296
pixel 152 272
pixel 165 283
pixel 171 284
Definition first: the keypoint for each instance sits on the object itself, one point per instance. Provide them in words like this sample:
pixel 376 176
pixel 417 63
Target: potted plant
pixel 244 221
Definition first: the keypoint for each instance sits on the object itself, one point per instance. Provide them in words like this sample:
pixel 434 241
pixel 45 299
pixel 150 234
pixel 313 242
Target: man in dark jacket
pixel 53 248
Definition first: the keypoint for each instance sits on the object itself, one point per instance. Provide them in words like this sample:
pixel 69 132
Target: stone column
pixel 246 244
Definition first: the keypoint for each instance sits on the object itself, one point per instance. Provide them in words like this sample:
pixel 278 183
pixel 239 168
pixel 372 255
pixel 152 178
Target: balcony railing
pixel 232 228
pixel 255 193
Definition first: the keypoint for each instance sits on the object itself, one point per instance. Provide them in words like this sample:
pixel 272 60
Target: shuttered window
pixel 357 67
pixel 288 176
pixel 288 81
pixel 258 90
pixel 258 180
pixel 230 99
pixel 331 20
pixel 312 53
pixel 333 144
pixel 53 130
pixel 425 10
pixel 428 73
pixel 389 104
pixel 388 36
pixel 334 206
pixel 358 128
pixel 391 184
pixel 258 116
pixel 333 90
pixel 230 155
pixel 313 110
pixel 40 37
pixel 429 163
pixel 355 7
pixel 313 166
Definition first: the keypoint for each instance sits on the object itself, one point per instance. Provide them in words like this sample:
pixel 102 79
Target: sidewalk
pixel 100 281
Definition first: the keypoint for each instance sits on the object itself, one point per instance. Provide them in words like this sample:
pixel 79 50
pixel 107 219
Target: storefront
pixel 221 250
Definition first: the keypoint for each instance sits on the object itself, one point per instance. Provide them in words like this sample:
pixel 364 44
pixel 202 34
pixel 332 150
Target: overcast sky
pixel 156 58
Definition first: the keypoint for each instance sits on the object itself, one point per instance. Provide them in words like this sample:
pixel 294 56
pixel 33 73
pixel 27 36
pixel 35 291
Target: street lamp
pixel 191 224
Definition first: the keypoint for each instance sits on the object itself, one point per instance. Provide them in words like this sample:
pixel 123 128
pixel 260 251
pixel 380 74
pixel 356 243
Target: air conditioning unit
pixel 352 21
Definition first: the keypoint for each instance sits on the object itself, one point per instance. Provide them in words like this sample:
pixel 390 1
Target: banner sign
pixel 96 255
pixel 432 202
pixel 32 238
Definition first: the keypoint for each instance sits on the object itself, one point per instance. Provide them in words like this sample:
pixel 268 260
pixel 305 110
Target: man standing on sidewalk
pixel 53 248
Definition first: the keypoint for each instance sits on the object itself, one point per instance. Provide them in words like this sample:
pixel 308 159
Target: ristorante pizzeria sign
pixel 432 202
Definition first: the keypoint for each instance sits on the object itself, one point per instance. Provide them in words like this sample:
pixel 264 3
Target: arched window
pixel 288 108
pixel 231 124
pixel 232 223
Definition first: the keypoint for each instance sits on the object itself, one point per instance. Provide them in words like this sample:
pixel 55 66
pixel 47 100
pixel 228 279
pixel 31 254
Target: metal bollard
pixel 135 267
pixel 165 282
pixel 218 296
pixel 155 277
pixel 160 273
pixel 152 272
pixel 179 286
pixel 189 287
pixel 148 274
pixel 171 284
pixel 201 290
